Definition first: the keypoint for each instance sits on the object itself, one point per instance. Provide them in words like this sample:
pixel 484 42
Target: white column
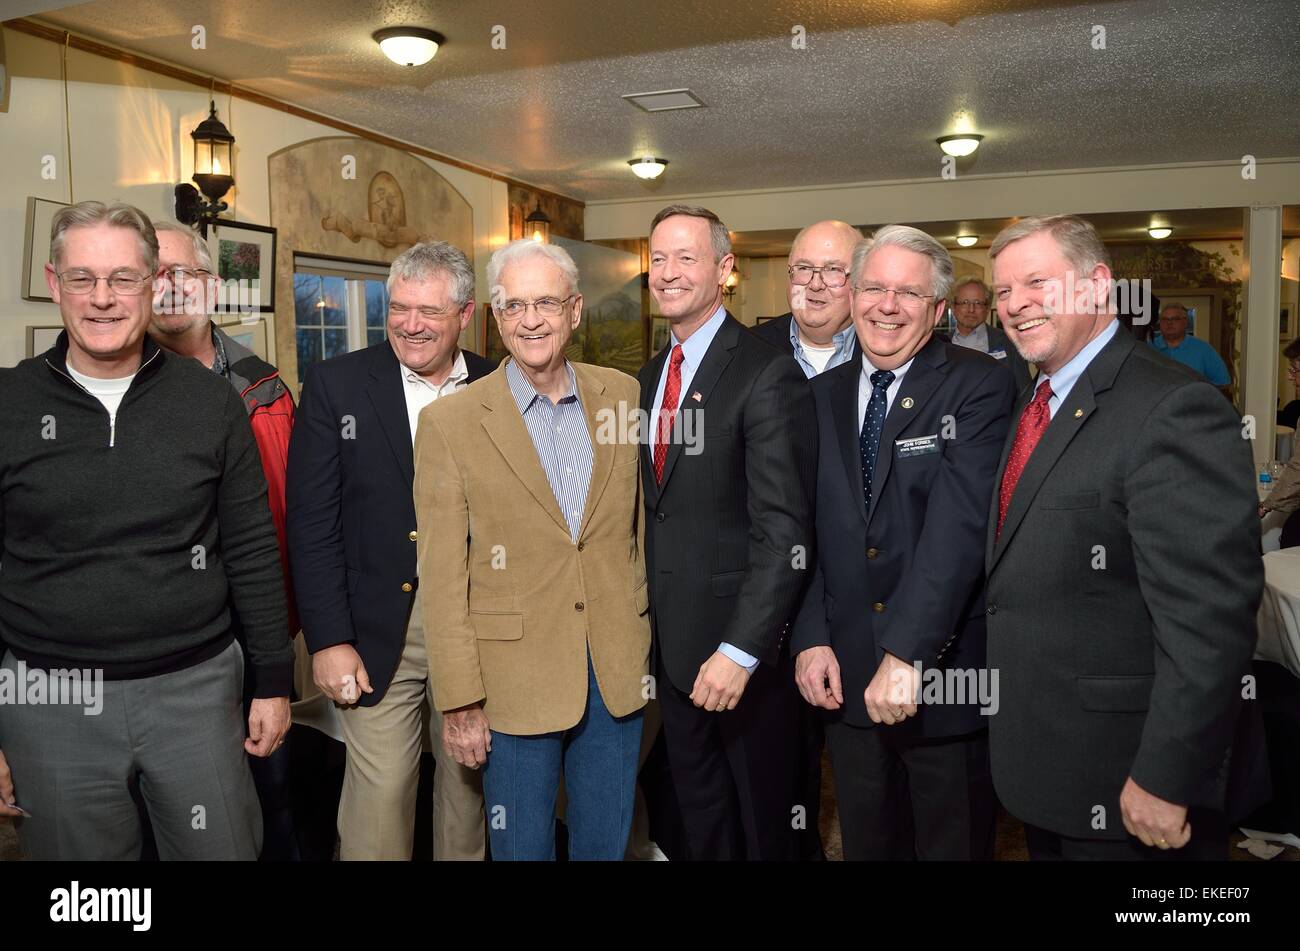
pixel 1261 302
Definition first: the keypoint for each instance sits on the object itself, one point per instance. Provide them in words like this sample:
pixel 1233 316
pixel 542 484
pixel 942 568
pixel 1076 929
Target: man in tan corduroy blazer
pixel 532 576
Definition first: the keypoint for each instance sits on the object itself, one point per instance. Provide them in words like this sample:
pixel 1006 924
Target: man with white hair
pixel 909 439
pixel 352 545
pixel 528 499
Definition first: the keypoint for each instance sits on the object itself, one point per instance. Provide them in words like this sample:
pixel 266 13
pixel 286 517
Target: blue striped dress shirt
pixel 560 436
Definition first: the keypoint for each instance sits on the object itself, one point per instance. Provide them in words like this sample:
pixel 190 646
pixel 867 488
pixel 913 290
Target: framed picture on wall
pixel 1284 323
pixel 245 253
pixel 40 339
pixel 36 248
pixel 249 333
pixel 490 344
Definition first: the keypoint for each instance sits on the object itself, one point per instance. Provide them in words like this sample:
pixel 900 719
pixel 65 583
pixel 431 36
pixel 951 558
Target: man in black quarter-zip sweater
pixel 133 513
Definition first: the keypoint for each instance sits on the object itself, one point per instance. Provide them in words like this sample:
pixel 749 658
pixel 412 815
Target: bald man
pixel 818 330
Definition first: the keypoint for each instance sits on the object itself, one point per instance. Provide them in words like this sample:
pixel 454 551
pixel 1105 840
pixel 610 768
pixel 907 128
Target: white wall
pixel 130 142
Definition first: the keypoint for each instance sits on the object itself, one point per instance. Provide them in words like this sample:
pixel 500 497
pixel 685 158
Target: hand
pixel 1157 823
pixel 817 674
pixel 719 684
pixel 339 674
pixel 268 722
pixel 466 735
pixel 7 790
pixel 891 695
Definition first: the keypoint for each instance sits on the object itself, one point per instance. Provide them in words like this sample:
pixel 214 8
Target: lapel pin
pixel 908 402
pixel 696 396
pixel 1078 413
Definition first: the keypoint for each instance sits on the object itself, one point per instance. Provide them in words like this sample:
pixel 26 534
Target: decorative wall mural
pixel 386 222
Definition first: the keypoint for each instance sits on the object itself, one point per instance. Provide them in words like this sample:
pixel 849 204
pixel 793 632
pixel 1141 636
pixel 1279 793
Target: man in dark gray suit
pixel 970 311
pixel 1123 572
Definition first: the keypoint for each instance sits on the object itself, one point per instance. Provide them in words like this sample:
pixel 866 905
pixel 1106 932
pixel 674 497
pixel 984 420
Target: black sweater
pixel 128 557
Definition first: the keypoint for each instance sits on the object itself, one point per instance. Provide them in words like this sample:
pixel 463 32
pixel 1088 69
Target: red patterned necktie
pixel 1033 423
pixel 668 411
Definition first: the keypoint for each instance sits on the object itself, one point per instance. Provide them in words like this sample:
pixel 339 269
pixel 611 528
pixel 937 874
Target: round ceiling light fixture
pixel 967 240
pixel 409 45
pixel 648 167
pixel 1159 233
pixel 961 144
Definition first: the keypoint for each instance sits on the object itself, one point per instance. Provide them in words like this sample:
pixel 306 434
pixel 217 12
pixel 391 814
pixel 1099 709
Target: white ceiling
pixel 1179 81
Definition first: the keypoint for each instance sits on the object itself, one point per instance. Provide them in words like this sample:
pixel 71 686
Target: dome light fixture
pixel 961 144
pixel 409 45
pixel 1160 232
pixel 967 240
pixel 648 167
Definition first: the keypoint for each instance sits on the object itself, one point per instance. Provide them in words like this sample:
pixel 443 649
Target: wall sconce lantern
pixel 213 162
pixel 732 282
pixel 537 226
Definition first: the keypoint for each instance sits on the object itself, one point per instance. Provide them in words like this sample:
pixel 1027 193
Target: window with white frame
pixel 339 306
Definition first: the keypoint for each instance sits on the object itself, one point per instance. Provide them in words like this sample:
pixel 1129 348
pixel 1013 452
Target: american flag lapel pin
pixel 697 397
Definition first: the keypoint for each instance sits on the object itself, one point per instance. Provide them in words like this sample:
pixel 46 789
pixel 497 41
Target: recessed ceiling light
pixel 409 45
pixel 648 166
pixel 967 240
pixel 1159 233
pixel 962 144
pixel 665 100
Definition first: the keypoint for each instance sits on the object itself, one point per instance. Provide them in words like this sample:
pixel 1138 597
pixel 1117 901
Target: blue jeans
pixel 522 779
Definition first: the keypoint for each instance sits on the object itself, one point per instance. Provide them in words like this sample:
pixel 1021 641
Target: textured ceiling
pixel 1189 224
pixel 1178 81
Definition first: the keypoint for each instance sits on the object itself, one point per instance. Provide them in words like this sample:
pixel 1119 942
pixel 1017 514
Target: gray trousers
pixel 180 735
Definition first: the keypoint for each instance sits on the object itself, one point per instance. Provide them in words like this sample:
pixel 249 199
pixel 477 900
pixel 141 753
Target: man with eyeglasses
pixel 818 330
pixel 528 497
pixel 182 304
pixel 970 310
pixel 133 520
pixel 909 439
pixel 352 548
pixel 1192 352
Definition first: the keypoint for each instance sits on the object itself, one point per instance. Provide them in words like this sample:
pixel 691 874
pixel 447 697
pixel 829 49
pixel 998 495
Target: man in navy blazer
pixel 352 535
pixel 890 637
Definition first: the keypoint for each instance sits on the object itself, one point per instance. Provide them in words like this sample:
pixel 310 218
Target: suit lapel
pixel 1075 410
pixel 919 383
pixel 848 428
pixel 508 432
pixel 596 404
pixel 389 399
pixel 706 377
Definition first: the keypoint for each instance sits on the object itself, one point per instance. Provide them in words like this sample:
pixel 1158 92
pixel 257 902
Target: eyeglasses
pixel 182 275
pixel 874 293
pixel 127 283
pixel 545 306
pixel 429 313
pixel 832 276
pixel 970 302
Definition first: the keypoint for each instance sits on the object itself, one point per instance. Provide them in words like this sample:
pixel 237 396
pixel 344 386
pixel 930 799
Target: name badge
pixel 998 354
pixel 918 446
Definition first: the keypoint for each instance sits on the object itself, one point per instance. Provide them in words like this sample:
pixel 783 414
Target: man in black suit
pixel 351 525
pixel 970 312
pixel 818 330
pixel 818 333
pixel 890 639
pixel 1123 572
pixel 728 475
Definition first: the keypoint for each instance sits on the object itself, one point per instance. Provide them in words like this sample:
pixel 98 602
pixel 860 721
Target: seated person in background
pixel 1174 343
pixel 1289 414
pixel 1285 497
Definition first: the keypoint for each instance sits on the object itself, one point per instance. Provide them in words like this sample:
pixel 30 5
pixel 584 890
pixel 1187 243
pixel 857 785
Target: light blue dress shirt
pixel 1063 380
pixel 693 351
pixel 843 342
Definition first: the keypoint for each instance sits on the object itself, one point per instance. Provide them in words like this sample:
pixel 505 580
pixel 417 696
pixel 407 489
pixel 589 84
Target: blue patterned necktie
pixel 872 423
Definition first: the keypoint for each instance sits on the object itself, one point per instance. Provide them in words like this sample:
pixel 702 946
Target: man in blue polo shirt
pixel 1174 343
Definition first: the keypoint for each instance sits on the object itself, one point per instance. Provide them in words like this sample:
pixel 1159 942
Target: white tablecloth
pixel 1279 612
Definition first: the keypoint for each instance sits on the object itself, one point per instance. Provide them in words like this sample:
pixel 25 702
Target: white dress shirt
pixel 865 388
pixel 420 392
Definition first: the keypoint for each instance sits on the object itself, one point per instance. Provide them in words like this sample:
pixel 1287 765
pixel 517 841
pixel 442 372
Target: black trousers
pixel 1209 843
pixel 734 773
pixel 902 798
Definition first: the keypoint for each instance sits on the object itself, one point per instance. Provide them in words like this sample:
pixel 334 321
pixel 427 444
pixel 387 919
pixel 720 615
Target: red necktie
pixel 1033 423
pixel 668 410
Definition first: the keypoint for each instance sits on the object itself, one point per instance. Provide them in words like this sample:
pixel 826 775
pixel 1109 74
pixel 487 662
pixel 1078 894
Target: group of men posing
pixel 839 521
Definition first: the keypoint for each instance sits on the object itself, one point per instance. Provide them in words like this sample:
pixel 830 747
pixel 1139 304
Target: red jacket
pixel 270 413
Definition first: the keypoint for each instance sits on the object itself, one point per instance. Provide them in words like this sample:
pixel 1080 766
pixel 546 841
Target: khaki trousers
pixel 377 809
